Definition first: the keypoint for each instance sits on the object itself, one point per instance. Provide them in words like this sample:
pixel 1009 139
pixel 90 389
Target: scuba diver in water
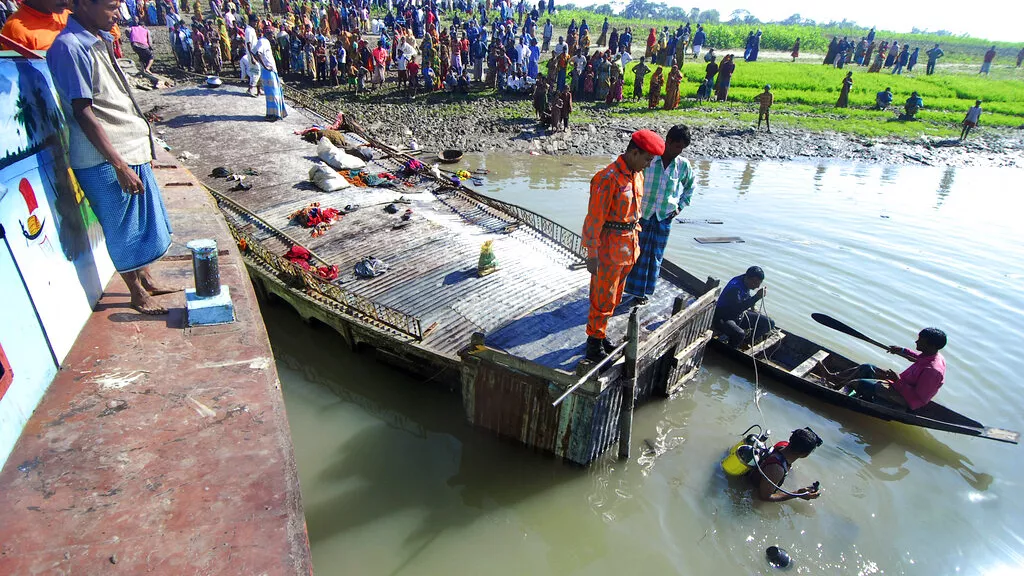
pixel 776 465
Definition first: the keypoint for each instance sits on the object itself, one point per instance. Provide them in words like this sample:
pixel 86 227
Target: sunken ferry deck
pixel 504 338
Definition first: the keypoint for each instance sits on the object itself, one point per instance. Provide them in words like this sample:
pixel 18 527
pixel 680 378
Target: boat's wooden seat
pixel 769 341
pixel 809 364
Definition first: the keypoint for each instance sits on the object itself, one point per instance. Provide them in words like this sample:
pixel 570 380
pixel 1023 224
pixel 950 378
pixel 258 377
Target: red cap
pixel 649 141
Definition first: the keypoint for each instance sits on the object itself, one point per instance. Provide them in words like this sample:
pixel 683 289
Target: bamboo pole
pixel 629 385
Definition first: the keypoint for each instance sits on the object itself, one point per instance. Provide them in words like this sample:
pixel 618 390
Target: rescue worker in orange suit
pixel 610 233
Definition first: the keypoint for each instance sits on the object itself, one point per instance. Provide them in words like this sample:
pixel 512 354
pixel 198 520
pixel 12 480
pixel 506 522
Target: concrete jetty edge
pixel 160 449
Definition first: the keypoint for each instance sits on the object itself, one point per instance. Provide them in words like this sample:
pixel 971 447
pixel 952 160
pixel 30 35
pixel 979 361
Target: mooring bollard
pixel 205 267
pixel 210 303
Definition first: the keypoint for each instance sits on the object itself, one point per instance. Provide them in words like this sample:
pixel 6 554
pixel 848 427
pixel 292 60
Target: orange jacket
pixel 616 194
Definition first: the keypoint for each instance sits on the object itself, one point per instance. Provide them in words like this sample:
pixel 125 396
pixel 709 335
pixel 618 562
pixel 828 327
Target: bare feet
pixel 148 306
pixel 151 285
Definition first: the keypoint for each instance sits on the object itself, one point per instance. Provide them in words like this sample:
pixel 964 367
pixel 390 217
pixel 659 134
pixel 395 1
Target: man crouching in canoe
pixel 916 386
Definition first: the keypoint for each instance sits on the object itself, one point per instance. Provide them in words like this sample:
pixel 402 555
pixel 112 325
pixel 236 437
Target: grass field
pixel 781 37
pixel 805 97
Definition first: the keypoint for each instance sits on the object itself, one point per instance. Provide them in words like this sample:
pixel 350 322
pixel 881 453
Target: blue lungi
pixel 136 226
pixel 275 96
pixel 652 240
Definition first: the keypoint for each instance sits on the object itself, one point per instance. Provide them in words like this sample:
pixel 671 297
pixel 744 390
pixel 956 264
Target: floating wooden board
pixel 719 239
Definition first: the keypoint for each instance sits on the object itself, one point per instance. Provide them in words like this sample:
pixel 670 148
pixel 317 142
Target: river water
pixel 394 481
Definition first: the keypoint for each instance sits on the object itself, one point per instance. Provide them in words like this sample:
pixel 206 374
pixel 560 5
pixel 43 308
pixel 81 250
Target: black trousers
pixel 736 329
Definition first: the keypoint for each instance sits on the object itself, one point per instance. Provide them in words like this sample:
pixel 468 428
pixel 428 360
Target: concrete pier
pixel 160 449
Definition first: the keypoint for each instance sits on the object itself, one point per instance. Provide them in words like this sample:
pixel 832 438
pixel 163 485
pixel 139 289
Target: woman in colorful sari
pixel 672 89
pixel 652 39
pixel 613 41
pixel 876 66
pixel 604 78
pixel 584 43
pixel 654 91
pixel 604 33
pixel 893 53
pixel 725 71
pixel 615 93
pixel 588 82
pixel 223 40
pixel 198 42
pixel 562 68
pixel 796 50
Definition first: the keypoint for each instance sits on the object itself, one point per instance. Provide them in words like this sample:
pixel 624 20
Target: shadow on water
pixel 945 185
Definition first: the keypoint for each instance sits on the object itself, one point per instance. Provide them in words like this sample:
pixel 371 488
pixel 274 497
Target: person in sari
pixel 724 78
pixel 588 82
pixel 604 78
pixel 223 40
pixel 833 49
pixel 604 33
pixel 868 53
pixel 796 50
pixel 584 43
pixel 268 74
pixel 639 73
pixel 844 93
pixel 672 88
pixel 654 93
pixel 894 52
pixel 876 66
pixel 198 41
pixel 615 93
pixel 613 41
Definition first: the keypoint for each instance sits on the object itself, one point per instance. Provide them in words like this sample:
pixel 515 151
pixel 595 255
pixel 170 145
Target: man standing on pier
pixel 111 148
pixel 669 186
pixel 610 233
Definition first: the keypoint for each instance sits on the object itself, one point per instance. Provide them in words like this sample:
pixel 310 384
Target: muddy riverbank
pixel 489 122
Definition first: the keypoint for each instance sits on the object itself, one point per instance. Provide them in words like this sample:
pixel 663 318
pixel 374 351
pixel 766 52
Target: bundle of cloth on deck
pixel 301 257
pixel 365 179
pixel 327 178
pixel 370 267
pixel 315 217
pixel 337 158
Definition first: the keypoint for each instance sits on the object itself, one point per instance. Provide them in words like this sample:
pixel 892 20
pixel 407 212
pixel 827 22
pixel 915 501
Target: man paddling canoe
pixel 916 386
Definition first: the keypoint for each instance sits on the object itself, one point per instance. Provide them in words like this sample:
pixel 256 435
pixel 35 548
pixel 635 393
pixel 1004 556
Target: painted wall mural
pixel 53 258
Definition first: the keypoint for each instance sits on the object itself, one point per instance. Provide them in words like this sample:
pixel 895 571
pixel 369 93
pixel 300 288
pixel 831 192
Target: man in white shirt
pixel 251 38
pixel 971 120
pixel 561 46
pixel 625 59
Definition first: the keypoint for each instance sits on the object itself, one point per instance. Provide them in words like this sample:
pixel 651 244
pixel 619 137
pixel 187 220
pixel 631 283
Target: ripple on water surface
pixel 395 483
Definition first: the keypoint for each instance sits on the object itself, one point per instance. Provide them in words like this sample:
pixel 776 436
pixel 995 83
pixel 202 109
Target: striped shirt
pixel 667 189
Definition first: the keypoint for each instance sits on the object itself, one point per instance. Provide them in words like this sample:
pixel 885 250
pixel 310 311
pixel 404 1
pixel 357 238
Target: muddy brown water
pixel 394 481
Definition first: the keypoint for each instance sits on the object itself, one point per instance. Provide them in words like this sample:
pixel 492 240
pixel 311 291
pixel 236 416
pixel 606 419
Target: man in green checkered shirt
pixel 668 186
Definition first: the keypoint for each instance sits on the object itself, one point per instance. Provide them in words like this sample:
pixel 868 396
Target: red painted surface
pixel 160 449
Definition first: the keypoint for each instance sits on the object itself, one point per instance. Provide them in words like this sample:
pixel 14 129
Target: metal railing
pixel 354 304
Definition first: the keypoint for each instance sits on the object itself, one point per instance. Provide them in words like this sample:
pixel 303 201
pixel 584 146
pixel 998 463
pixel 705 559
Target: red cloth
pixel 300 257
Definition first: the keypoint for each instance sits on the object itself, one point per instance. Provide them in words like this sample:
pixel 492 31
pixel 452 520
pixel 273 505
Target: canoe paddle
pixel 837 325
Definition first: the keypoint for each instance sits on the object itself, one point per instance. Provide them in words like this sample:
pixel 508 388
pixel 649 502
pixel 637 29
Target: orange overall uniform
pixel 615 196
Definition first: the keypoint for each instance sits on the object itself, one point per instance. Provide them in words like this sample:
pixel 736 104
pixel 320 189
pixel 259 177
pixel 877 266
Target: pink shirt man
pixel 919 383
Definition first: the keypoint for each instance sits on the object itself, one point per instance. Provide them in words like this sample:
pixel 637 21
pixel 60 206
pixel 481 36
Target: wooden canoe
pixel 797 362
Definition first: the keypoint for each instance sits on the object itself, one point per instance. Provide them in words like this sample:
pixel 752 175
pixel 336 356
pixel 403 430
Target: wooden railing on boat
pixel 326 291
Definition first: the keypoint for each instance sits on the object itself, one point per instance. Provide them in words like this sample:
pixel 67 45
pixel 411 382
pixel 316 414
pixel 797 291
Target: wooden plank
pixel 719 239
pixel 766 343
pixel 809 364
